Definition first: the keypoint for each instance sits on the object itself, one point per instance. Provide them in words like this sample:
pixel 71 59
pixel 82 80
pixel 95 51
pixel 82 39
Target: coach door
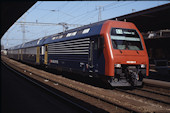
pixel 38 55
pixel 46 54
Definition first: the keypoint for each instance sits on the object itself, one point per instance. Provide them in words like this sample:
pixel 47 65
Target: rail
pixel 82 109
pixel 113 98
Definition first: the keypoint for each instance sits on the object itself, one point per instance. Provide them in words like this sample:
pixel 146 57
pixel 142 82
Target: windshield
pixel 125 39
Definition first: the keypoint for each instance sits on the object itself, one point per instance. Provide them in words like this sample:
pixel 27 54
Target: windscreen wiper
pixel 120 51
pixel 137 52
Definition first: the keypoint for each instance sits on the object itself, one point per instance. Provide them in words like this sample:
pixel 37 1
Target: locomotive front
pixel 126 58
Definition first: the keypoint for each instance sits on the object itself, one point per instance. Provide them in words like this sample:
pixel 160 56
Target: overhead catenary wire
pixel 28 12
pixel 71 13
pixel 87 12
pixel 52 10
pixel 79 7
pixel 117 7
pixel 48 32
pixel 36 7
pixel 13 27
pixel 94 10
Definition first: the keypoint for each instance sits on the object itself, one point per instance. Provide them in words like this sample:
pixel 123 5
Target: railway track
pixel 116 100
pixel 158 98
pixel 37 83
pixel 101 105
pixel 158 90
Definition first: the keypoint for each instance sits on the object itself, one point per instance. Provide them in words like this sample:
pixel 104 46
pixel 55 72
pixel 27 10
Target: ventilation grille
pixel 78 46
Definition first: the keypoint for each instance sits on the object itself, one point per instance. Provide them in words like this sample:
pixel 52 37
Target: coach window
pixel 43 50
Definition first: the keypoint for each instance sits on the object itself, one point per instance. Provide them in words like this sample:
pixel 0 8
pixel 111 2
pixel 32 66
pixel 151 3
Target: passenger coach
pixel 112 50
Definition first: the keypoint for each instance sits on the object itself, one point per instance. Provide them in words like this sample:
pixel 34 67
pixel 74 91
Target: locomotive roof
pixel 15 47
pixel 33 43
pixel 80 32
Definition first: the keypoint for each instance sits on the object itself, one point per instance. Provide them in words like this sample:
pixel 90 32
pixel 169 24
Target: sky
pixel 74 13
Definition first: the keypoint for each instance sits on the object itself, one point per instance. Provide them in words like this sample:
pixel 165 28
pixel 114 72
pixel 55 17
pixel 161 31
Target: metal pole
pixel 100 15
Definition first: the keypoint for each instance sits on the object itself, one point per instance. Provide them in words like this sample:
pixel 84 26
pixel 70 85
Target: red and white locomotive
pixel 113 50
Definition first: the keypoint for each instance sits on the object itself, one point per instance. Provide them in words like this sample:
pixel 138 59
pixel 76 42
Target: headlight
pixel 118 65
pixel 143 66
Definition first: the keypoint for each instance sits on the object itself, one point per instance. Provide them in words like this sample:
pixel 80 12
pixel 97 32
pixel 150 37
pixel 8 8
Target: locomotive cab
pixel 126 59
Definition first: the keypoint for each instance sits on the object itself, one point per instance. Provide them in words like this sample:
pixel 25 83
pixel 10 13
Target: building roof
pixel 152 19
pixel 11 11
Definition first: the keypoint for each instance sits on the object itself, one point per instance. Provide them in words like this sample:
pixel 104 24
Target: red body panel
pixel 114 56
